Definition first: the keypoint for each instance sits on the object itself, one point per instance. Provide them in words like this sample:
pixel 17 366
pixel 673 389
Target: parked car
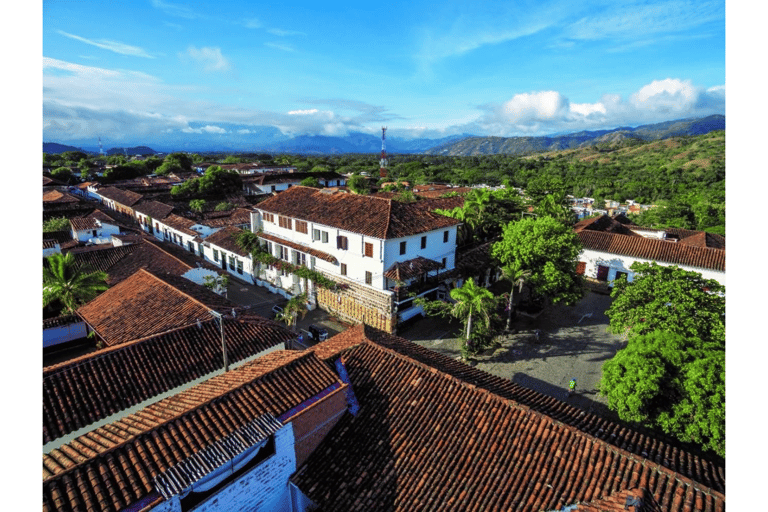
pixel 318 333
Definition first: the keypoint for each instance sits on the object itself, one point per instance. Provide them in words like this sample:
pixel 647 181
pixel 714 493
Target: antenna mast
pixel 101 148
pixel 383 162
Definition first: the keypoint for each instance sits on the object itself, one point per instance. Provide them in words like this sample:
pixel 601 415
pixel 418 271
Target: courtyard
pixel 573 343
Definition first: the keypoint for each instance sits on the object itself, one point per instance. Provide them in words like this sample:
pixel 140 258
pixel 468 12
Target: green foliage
pixel 66 282
pixel 223 206
pixel 63 174
pixel 296 307
pixel 669 299
pixel 310 182
pixel 546 248
pixel 197 205
pixel 359 184
pixel 175 162
pixel 666 381
pixel 216 283
pixel 215 181
pixel 56 224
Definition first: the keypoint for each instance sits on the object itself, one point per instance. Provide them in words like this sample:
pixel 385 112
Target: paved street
pixel 571 346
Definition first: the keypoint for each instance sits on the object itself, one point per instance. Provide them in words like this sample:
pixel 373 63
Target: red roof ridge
pixel 139 426
pixel 160 247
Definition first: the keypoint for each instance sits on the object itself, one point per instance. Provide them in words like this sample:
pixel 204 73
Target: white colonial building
pixel 611 247
pixel 379 250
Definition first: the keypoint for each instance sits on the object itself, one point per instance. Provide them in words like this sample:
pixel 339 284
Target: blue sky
pixel 145 70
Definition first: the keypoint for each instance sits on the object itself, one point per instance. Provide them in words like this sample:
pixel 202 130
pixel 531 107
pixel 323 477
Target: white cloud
pixel 302 112
pixel 252 23
pixel 181 11
pixel 547 112
pixel 113 46
pixel 209 57
pixel 279 46
pixel 205 129
pixel 285 33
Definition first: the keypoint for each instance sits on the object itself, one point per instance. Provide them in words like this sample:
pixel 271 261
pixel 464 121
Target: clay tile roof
pixel 404 270
pixel 101 216
pixel 124 197
pixel 435 434
pixel 652 249
pixel 56 197
pixel 371 216
pixel 605 224
pixel 83 223
pixel 226 238
pixel 704 239
pixel 443 203
pixel 302 248
pixel 123 261
pixel 114 465
pixel 180 223
pixel 49 243
pixel 234 217
pixel 154 209
pixel 438 191
pixel 87 389
pixel 146 304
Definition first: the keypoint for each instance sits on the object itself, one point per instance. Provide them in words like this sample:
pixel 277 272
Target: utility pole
pixel 220 318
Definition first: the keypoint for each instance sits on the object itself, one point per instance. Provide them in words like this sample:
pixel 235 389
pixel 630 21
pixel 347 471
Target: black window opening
pixel 424 242
pixel 402 247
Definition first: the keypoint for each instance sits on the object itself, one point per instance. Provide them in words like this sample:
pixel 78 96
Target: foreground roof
pixel 115 465
pixel 89 388
pixel 435 434
pixel 124 197
pixel 368 215
pixel 146 304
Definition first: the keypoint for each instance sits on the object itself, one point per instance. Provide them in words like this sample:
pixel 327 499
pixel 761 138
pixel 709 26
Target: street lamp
pixel 220 318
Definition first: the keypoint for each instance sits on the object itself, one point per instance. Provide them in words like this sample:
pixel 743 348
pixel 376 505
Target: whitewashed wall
pixel 617 263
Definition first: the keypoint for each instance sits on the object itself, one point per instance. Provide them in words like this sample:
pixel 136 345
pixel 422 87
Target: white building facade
pixel 372 247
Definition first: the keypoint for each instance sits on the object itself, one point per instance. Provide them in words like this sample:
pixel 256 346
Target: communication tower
pixel 101 148
pixel 383 163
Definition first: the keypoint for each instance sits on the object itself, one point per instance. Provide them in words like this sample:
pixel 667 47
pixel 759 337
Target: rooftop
pixel 368 215
pixel 89 388
pixel 146 303
pixel 435 434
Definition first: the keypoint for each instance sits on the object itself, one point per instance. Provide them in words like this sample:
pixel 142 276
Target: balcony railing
pixel 405 292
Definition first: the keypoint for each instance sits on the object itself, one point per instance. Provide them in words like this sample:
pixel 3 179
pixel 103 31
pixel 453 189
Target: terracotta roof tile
pixel 226 238
pixel 87 389
pixel 114 465
pixel 605 224
pixel 404 270
pixel 180 223
pixel 154 209
pixel 367 215
pixel 299 247
pixel 146 304
pixel 56 197
pixel 124 197
pixel 234 217
pixel 653 249
pixel 435 434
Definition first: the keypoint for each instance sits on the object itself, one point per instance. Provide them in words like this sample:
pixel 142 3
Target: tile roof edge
pixel 512 403
pixel 157 277
pixel 114 348
pixel 156 245
pixel 290 355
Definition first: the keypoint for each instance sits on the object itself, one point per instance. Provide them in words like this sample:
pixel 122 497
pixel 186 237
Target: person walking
pixel 571 386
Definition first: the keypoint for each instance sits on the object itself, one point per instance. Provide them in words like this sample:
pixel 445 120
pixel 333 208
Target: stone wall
pixel 359 304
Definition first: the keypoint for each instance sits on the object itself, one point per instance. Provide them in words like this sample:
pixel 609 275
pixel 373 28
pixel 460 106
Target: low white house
pixel 610 248
pixel 94 228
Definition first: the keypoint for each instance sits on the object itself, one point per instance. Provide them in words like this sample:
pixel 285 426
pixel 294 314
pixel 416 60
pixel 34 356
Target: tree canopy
pixel 669 299
pixel 664 381
pixel 66 282
pixel 546 248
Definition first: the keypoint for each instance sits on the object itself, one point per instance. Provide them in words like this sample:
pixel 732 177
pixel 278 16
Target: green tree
pixel 472 301
pixel 548 249
pixel 197 205
pixel 665 381
pixel 65 281
pixel 517 276
pixel 223 206
pixel 56 224
pixel 296 307
pixel 62 174
pixel 669 299
pixel 310 181
pixel 359 184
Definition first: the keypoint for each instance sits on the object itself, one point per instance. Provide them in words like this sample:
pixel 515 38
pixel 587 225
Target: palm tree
pixel 472 300
pixel 69 283
pixel 294 307
pixel 517 276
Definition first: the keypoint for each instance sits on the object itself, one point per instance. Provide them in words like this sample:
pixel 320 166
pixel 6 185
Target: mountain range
pixel 271 140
